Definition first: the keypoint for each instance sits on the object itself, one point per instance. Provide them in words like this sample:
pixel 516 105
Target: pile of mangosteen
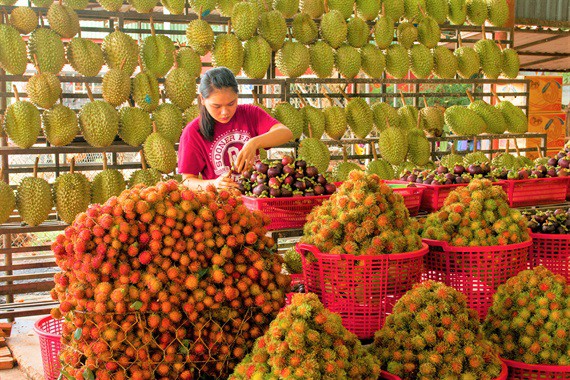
pixel 447 176
pixel 548 222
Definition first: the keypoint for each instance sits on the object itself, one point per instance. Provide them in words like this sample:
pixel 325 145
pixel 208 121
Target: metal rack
pixel 19 259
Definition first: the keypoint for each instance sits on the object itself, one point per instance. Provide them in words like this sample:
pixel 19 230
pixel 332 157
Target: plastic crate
pixel 551 251
pixel 433 196
pixel 49 331
pixel 503 376
pixel 362 289
pixel 477 272
pixel 536 191
pixel 412 198
pixel 290 212
pixel 522 371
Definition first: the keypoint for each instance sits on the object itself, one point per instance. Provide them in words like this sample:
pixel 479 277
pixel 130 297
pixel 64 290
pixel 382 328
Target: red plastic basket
pixel 296 279
pixel 477 272
pixel 522 371
pixel 433 196
pixel 503 376
pixel 49 330
pixel 362 289
pixel 536 191
pixel 412 198
pixel 290 212
pixel 552 251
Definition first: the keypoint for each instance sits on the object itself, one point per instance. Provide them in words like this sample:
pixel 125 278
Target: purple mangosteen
pixel 330 188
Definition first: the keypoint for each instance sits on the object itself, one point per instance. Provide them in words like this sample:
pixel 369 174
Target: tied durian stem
pixel 517 147
pixel 495 95
pixel 140 63
pixel 383 9
pixel 459 41
pixel 344 95
pixel 60 2
pixel 537 149
pixel 303 103
pixel 123 63
pixel 310 128
pixel 344 156
pixel 474 144
pixel 507 146
pixel 419 122
pixel 41 19
pixel 89 93
pixel 175 54
pixel 402 98
pixel 16 94
pixel 72 165
pixel 329 99
pixel 422 10
pixel 200 13
pixel 388 122
pixel 4 16
pixel 255 98
pixel 36 64
pixel 36 164
pixel 425 101
pixel 229 26
pixel 152 31
pixel 154 128
pixel 483 35
pixel 326 6
pixel 470 96
pixel 104 160
pixel 373 149
pixel 452 147
pixel 143 161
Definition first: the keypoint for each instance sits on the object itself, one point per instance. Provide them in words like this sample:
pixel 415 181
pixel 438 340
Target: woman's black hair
pixel 215 79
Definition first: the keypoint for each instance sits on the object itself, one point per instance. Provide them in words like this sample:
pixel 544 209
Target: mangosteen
pixel 261 178
pixel 427 181
pixel 523 174
pixel 412 178
pixel 286 191
pixel 330 188
pixel 552 161
pixel 253 177
pixel 541 168
pixel 274 171
pixel 559 155
pixel 309 192
pixel 449 176
pixel 564 162
pixel 442 170
pixel 474 169
pixel 288 169
pixel 558 211
pixel 287 160
pixel 319 189
pixel 300 164
pixel 312 171
pixel 486 168
pixel 548 228
pixel 274 183
pixel 261 167
pixel 536 173
pixel 298 193
pixel 246 174
pixel 419 180
pixel 275 192
pixel 300 185
pixel 459 180
pixel 562 172
pixel 321 179
pixel 458 169
pixel 308 183
pixel 448 182
pixel 289 180
pixel 261 190
pixel 241 188
pixel 551 172
pixel 299 175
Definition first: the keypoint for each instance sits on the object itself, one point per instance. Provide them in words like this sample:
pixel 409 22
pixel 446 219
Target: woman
pixel 226 135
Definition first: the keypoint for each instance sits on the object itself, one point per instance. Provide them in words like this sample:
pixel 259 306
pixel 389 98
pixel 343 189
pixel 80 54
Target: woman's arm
pixel 194 182
pixel 277 135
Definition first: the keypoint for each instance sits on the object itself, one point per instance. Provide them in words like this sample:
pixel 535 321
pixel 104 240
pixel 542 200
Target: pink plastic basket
pixel 362 289
pixel 552 251
pixel 49 330
pixel 503 376
pixel 536 191
pixel 433 195
pixel 477 272
pixel 522 371
pixel 412 198
pixel 285 212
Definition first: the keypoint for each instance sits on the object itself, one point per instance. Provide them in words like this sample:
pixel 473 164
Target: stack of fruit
pixel 529 319
pixel 432 334
pixel 548 222
pixel 165 281
pixel 442 175
pixel 285 178
pixel 307 341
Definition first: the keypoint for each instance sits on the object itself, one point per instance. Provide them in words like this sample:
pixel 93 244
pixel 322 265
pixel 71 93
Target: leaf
pixel 136 305
pixel 88 374
pixel 65 373
pixel 77 334
pixel 202 273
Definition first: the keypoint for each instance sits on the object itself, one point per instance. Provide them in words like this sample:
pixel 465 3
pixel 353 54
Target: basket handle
pixel 435 243
pixel 302 247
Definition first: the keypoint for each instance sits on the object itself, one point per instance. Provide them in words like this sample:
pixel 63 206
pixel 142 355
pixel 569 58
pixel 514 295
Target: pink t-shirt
pixel 196 155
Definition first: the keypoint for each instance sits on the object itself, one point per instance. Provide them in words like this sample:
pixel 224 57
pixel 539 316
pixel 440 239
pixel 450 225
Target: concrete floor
pixel 25 346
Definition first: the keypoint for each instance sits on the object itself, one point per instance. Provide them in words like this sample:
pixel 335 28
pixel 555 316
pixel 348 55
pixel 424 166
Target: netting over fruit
pixel 476 215
pixel 432 334
pixel 363 217
pixel 164 281
pixel 306 341
pixel 530 318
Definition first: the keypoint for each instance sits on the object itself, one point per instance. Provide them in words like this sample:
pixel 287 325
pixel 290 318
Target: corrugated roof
pixel 543 49
pixel 542 12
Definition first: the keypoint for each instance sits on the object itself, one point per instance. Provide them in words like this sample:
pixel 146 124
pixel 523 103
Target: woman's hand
pixel 246 156
pixel 225 181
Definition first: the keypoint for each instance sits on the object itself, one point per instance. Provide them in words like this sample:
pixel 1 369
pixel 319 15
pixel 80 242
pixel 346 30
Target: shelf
pixel 15 228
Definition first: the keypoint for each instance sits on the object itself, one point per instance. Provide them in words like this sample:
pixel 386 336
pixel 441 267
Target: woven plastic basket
pixel 536 191
pixel 49 331
pixel 503 376
pixel 551 251
pixel 522 371
pixel 477 272
pixel 362 289
pixel 285 212
pixel 412 198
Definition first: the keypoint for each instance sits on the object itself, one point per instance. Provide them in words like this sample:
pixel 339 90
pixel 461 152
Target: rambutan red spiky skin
pixel 306 341
pixel 476 215
pixel 362 209
pixel 431 334
pixel 530 316
pixel 164 277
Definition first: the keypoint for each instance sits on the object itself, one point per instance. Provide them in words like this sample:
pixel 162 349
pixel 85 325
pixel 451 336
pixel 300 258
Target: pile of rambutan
pixel 363 217
pixel 530 318
pixel 166 283
pixel 476 215
pixel 432 334
pixel 306 341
